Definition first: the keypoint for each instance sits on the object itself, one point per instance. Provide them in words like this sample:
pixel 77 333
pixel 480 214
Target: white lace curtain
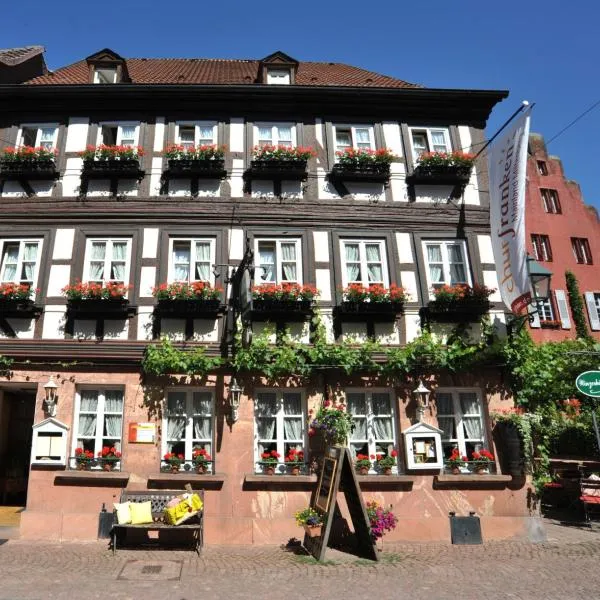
pixel 88 405
pixel 181 261
pixel 457 265
pixel 434 259
pixel 352 262
pixel 284 136
pixel 119 251
pixel 292 425
pixel 202 261
pixel 382 417
pixel 266 411
pixel 98 255
pixel 113 403
pixel 266 258
pixel 288 258
pixel 374 263
pixel 206 134
pixel 9 262
pixel 29 261
pixel 469 405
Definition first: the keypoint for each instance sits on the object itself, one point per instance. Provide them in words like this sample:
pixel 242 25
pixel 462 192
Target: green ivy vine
pixel 576 304
pixel 165 359
pixel 5 363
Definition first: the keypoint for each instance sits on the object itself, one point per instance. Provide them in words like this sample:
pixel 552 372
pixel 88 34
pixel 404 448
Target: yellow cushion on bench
pixel 141 512
pixel 186 508
pixel 123 512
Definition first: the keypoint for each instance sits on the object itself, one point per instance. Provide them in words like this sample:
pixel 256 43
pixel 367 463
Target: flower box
pixel 440 175
pixel 550 324
pixel 314 531
pixel 201 168
pixel 126 168
pixel 457 312
pixel 282 169
pixel 367 172
pixel 99 308
pixel 18 308
pixel 378 311
pixel 285 310
pixel 28 169
pixel 192 307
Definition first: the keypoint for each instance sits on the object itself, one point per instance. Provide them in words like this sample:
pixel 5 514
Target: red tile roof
pixel 223 72
pixel 15 56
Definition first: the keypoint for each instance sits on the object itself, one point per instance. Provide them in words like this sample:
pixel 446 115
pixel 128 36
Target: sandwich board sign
pixel 336 475
pixel 588 383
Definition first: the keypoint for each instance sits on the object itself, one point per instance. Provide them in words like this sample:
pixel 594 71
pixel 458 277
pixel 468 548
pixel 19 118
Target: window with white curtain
pixel 275 134
pixel 118 134
pixel 354 136
pixel 279 422
pixel 279 259
pixel 191 260
pixel 188 422
pixel 43 136
pixel 202 133
pixel 373 415
pixel 20 261
pixel 98 419
pixel 459 415
pixel 429 139
pixel 446 263
pixel 107 260
pixel 278 76
pixel 105 75
pixel 364 262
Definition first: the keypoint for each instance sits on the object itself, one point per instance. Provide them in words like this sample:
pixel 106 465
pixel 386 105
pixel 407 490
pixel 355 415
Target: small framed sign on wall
pixel 142 433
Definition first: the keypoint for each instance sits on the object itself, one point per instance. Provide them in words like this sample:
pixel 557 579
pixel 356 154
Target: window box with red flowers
pixel 279 163
pixel 286 301
pixel 444 168
pixel 550 324
pixel 375 302
pixel 481 461
pixel 294 461
pixel 16 302
pixel 459 303
pixel 205 161
pixel 269 461
pixel 27 163
pixel 103 161
pixel 97 300
pixel 198 299
pixel 362 165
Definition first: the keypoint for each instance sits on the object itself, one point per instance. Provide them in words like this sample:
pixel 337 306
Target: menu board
pixel 325 486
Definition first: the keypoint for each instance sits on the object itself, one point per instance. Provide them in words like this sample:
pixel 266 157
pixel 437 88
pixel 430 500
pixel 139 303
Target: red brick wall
pixel 577 220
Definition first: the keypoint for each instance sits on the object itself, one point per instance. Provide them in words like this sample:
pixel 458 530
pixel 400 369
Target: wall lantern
pixel 421 394
pixel 51 399
pixel 235 394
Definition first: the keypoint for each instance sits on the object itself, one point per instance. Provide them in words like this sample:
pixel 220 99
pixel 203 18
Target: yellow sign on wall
pixel 142 433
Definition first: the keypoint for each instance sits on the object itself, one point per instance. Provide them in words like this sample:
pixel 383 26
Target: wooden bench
pixel 159 500
pixel 590 502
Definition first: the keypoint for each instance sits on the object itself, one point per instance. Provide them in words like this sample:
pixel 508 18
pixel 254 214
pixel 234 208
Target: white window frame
pixel 21 242
pixel 551 201
pixel 258 272
pixel 196 125
pixel 445 262
pixel 597 301
pixel 38 137
pixel 191 242
pixel 362 243
pixel 275 132
pixel 545 309
pixel 107 258
pixel 119 125
pixel 352 129
pixel 544 245
pixel 458 415
pixel 97 75
pixel 279 417
pixel 189 440
pixel 427 130
pixel 370 428
pixel 583 245
pixel 100 414
pixel 275 75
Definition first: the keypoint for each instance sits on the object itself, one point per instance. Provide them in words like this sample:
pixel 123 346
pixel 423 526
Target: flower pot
pixel 387 470
pixel 174 468
pixel 269 470
pixel 455 470
pixel 201 469
pixel 108 466
pixel 83 466
pixel 481 471
pixel 314 531
pixel 295 470
pixel 363 470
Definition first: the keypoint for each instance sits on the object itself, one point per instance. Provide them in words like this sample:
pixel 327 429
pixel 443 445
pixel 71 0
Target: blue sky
pixel 545 52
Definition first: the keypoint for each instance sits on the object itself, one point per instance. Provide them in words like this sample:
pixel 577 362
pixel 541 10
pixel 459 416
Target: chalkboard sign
pixel 325 486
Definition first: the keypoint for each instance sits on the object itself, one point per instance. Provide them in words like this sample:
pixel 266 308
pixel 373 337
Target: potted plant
pixel 359 298
pixel 109 457
pixel 16 292
pixel 480 461
pixel 270 460
pixel 84 459
pixel 294 460
pixel 334 423
pixel 205 158
pixel 291 299
pixel 386 462
pixel 455 461
pixel 461 299
pixel 363 162
pixel 443 167
pixel 311 521
pixel 381 520
pixel 183 297
pixel 201 460
pixel 96 291
pixel 173 461
pixel 271 156
pixel 363 464
pixel 27 159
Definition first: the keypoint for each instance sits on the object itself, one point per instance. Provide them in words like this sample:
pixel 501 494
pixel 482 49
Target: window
pixel 278 76
pixel 581 250
pixel 118 134
pixel 427 139
pixel 541 247
pixel 354 136
pixel 20 261
pixel 280 261
pixel 364 262
pixel 446 263
pixel 551 201
pixel 459 418
pixel 98 419
pixel 105 75
pixel 275 134
pixel 188 422
pixel 373 415
pixel 196 134
pixel 545 311
pixel 107 260
pixel 38 136
pixel 279 422
pixel 191 260
pixel 542 167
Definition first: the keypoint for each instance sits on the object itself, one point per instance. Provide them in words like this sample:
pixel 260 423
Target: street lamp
pixel 421 394
pixel 51 399
pixel 235 394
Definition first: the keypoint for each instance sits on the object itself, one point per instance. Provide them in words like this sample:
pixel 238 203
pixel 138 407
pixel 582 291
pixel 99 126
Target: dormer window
pixel 278 76
pixel 105 75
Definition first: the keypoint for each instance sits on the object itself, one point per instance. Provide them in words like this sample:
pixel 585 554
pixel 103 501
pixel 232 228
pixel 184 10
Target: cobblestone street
pixel 565 567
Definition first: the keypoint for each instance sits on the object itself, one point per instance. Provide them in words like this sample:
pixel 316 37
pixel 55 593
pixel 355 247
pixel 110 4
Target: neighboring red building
pixel 563 234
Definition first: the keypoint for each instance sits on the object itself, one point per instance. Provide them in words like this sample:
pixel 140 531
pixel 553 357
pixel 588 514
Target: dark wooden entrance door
pixel 16 420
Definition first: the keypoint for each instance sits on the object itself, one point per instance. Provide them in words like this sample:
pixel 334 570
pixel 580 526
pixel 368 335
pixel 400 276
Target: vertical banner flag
pixel 507 161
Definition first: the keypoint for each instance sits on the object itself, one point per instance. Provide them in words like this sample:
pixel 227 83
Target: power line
pixel 573 122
